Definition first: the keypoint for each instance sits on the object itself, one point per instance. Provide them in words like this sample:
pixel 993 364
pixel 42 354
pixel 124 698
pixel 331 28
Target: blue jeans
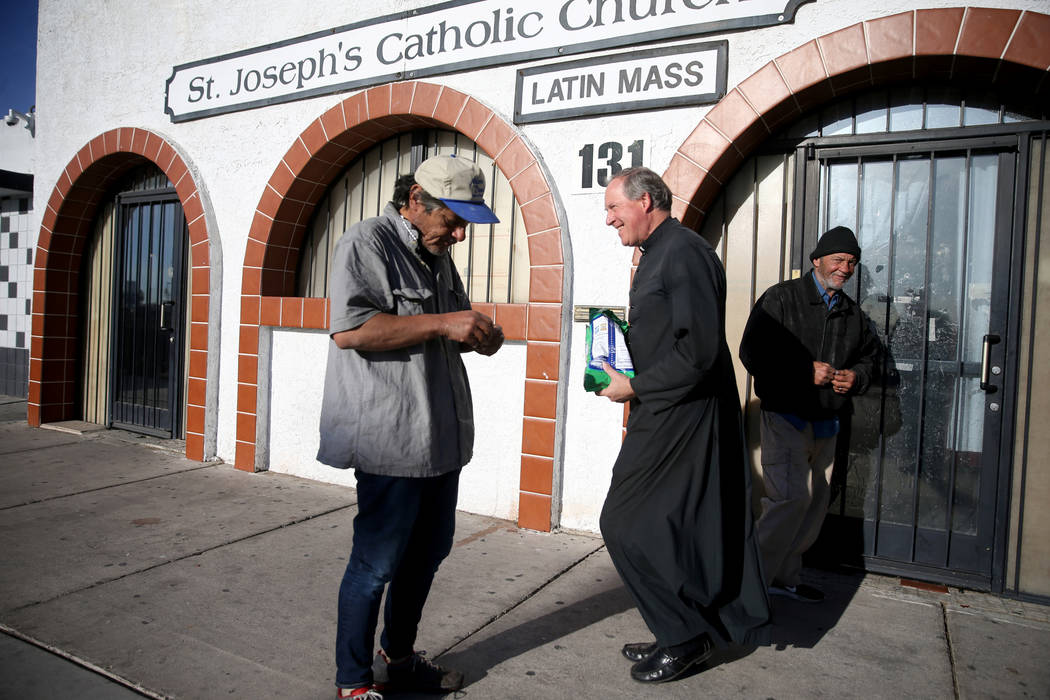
pixel 402 532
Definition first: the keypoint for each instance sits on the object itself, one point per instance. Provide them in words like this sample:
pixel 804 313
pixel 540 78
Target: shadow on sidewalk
pixel 803 625
pixel 487 653
pixel 794 624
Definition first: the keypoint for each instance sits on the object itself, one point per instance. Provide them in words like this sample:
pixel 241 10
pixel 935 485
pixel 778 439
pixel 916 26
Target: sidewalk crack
pixel 207 465
pixel 950 648
pixel 184 557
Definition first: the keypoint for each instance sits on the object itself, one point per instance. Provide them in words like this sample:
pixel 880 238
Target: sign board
pixel 670 76
pixel 453 36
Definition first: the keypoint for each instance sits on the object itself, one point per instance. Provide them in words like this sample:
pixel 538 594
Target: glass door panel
pixel 147 359
pixel 922 455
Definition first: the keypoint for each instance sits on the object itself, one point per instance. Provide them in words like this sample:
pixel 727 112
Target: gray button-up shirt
pixel 404 412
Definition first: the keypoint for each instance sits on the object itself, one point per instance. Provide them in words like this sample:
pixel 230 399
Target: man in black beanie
pixel 810 348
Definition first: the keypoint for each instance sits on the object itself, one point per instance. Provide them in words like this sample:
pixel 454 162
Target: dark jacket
pixel 789 329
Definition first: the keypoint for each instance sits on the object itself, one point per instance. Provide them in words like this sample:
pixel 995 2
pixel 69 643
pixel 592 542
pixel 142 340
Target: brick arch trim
pixel 991 46
pixel 317 156
pixel 66 225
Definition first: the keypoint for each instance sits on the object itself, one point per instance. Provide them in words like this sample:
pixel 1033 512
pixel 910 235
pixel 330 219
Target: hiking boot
pixel 419 674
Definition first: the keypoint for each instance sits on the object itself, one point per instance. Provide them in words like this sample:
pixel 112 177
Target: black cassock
pixel 677 519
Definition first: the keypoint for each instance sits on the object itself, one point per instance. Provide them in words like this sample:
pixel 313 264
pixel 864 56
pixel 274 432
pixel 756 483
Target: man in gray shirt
pixel 397 410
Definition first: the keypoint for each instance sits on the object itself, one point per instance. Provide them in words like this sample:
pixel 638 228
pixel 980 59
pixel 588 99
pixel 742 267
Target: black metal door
pixel 149 314
pixel 920 486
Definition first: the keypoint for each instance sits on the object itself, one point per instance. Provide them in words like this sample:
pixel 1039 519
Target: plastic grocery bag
pixel 606 340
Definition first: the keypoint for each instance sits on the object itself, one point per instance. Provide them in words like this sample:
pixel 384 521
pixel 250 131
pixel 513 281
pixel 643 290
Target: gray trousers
pixel 796 473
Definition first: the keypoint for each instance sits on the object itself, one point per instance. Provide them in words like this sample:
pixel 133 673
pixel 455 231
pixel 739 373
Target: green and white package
pixel 606 340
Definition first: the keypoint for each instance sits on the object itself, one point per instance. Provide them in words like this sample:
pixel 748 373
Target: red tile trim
pixel 246 427
pixel 891 38
pixel 536 473
pixel 924 585
pixel 194 420
pixel 292 312
pixel 541 399
pixel 534 511
pixel 244 456
pixel 248 368
pixel 270 311
pixel 538 437
pixel 198 368
pixel 1029 47
pixel 986 32
pixel 512 318
pixel 194 446
pixel 315 313
pixel 473 119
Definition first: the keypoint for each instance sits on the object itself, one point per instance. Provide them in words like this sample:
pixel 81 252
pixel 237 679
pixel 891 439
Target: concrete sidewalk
pixel 128 571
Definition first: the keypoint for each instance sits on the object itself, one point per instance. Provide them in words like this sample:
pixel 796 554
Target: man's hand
pixel 492 344
pixel 471 328
pixel 843 380
pixel 619 389
pixel 823 373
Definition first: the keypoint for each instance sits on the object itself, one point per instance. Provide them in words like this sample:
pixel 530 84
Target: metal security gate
pixel 493 261
pixel 149 314
pixel 934 220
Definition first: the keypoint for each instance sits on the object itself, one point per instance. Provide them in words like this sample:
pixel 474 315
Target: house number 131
pixel 610 156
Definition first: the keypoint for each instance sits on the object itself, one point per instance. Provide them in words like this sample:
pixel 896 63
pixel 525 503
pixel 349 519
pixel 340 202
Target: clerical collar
pixel 652 238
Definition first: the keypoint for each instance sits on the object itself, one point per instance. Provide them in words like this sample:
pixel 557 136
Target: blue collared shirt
pixel 828 299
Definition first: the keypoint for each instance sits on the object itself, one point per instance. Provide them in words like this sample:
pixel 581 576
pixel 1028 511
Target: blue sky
pixel 18 65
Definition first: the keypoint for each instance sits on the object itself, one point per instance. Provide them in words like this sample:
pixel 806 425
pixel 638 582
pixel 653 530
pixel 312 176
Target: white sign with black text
pixel 677 75
pixel 452 36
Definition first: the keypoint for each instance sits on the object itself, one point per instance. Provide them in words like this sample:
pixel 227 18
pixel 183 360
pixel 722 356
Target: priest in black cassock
pixel 677 519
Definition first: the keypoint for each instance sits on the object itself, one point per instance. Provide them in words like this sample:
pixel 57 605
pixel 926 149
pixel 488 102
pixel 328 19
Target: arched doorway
pixel 938 191
pixel 75 207
pixel 317 158
pixel 133 306
pixel 928 179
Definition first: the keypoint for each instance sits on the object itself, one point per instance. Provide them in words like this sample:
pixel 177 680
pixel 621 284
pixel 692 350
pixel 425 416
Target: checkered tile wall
pixel 16 292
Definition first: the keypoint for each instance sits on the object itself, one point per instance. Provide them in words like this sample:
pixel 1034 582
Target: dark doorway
pixel 149 313
pixel 918 492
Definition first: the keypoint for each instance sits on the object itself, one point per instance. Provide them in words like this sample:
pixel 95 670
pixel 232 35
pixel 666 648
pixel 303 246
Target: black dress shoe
pixel 662 665
pixel 637 651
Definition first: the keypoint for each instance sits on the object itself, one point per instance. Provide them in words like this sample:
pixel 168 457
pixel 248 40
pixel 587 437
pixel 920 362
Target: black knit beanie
pixel 838 240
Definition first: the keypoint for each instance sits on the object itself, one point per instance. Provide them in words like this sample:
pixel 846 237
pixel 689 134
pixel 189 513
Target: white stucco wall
pixel 102 64
pixel 16 147
pixel 488 485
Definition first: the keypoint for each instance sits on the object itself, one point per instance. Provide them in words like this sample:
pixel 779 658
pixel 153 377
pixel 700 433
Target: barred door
pixel 149 314
pixel 934 223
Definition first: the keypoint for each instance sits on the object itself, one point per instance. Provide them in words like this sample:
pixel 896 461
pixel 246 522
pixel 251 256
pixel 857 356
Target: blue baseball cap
pixel 459 184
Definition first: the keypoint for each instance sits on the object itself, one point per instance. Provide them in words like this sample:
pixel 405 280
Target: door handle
pixel 166 310
pixel 986 361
